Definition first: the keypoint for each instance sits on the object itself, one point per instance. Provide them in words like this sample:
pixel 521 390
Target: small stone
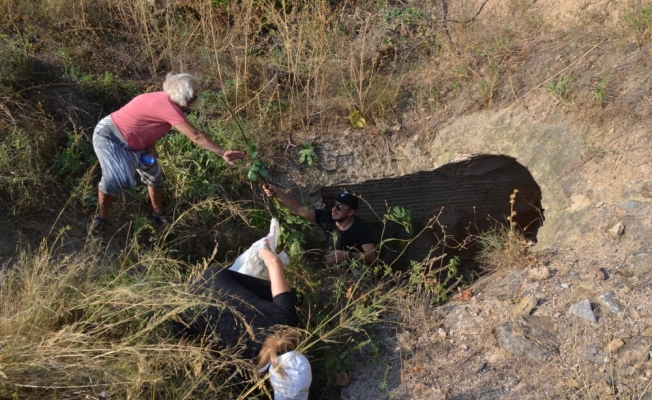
pixel 572 383
pixel 583 310
pixel 605 387
pixel 565 285
pixel 634 314
pixel 595 356
pixel 575 277
pixel 634 356
pixel 464 347
pixel 608 301
pixel 539 273
pixel 615 345
pixel 617 230
pixel 526 305
pixel 343 380
pixel 600 204
pixel 598 273
pixel 647 332
pixel 441 332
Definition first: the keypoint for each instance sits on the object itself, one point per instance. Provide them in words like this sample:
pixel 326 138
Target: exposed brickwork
pixel 469 193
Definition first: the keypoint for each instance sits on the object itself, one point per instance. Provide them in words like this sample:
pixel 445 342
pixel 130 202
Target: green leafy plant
pixel 292 227
pixel 75 159
pixel 433 280
pixel 561 91
pixel 307 155
pixel 640 21
pixel 600 94
pixel 259 168
pixel 402 216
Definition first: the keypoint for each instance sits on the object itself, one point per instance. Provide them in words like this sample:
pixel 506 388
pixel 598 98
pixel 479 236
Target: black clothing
pixel 238 299
pixel 352 238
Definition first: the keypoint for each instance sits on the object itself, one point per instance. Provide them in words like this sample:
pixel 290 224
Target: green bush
pixel 23 173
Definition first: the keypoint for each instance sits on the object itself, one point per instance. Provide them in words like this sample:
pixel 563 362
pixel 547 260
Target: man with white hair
pixel 122 139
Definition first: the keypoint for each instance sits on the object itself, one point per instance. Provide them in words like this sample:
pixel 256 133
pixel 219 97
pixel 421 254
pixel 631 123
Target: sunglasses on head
pixel 340 207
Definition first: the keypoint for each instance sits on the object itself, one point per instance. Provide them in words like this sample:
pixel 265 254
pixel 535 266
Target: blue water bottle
pixel 147 159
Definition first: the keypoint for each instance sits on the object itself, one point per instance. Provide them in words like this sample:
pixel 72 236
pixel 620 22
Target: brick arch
pixel 470 196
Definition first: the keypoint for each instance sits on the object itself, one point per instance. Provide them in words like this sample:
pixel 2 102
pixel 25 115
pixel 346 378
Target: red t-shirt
pixel 146 118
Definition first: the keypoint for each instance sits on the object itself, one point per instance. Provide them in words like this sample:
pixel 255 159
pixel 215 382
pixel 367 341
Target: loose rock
pixel 617 230
pixel 615 345
pixel 530 337
pixel 540 274
pixel 526 306
pixel 647 332
pixel 583 310
pixel 634 356
pixel 608 301
pixel 598 273
pixel 595 356
pixel 565 285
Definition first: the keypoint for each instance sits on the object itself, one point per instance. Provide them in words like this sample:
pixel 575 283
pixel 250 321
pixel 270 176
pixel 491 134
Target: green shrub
pixel 23 173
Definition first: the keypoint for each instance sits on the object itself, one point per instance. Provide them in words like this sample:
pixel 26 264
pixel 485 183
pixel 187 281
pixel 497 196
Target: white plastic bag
pixel 250 263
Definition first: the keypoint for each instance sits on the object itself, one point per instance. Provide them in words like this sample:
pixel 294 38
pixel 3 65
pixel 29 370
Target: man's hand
pixel 335 256
pixel 231 155
pixel 270 190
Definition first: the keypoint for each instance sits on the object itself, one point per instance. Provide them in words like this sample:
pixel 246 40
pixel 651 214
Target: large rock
pixel 530 337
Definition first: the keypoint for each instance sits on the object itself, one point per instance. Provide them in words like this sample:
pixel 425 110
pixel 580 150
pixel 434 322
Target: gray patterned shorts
pixel 119 161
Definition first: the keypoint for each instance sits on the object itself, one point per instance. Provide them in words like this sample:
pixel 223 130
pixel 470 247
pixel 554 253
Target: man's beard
pixel 343 217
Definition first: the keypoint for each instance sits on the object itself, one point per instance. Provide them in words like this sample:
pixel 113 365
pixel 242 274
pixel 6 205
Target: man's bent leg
pixel 105 201
pixel 156 196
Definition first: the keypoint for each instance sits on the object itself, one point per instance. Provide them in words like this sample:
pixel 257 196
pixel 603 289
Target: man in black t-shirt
pixel 353 237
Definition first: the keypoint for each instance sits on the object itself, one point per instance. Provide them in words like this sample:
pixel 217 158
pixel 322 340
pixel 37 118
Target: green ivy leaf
pixel 253 150
pixel 252 176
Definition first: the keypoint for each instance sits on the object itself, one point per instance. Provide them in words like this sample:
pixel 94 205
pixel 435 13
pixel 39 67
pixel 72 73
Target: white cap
pixel 295 384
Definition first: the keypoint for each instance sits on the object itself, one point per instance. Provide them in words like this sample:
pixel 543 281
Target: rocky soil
pixel 578 324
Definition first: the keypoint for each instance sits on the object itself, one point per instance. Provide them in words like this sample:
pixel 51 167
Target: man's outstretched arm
pixel 289 203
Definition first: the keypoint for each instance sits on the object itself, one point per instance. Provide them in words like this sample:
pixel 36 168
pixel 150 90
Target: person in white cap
pixel 242 312
pixel 289 373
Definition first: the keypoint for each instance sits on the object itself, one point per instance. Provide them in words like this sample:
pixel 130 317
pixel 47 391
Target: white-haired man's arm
pixel 201 139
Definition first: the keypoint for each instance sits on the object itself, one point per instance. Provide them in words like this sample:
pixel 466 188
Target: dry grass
pixel 80 324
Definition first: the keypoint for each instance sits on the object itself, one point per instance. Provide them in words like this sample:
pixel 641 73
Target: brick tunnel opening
pixel 469 197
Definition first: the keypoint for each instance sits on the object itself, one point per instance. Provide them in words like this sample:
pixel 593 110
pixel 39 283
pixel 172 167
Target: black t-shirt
pixel 352 238
pixel 240 300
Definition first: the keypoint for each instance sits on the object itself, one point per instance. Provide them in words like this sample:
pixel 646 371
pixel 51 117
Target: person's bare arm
pixel 368 256
pixel 288 202
pixel 276 271
pixel 201 139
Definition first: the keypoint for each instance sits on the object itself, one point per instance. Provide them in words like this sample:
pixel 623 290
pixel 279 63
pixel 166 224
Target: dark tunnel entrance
pixel 470 197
